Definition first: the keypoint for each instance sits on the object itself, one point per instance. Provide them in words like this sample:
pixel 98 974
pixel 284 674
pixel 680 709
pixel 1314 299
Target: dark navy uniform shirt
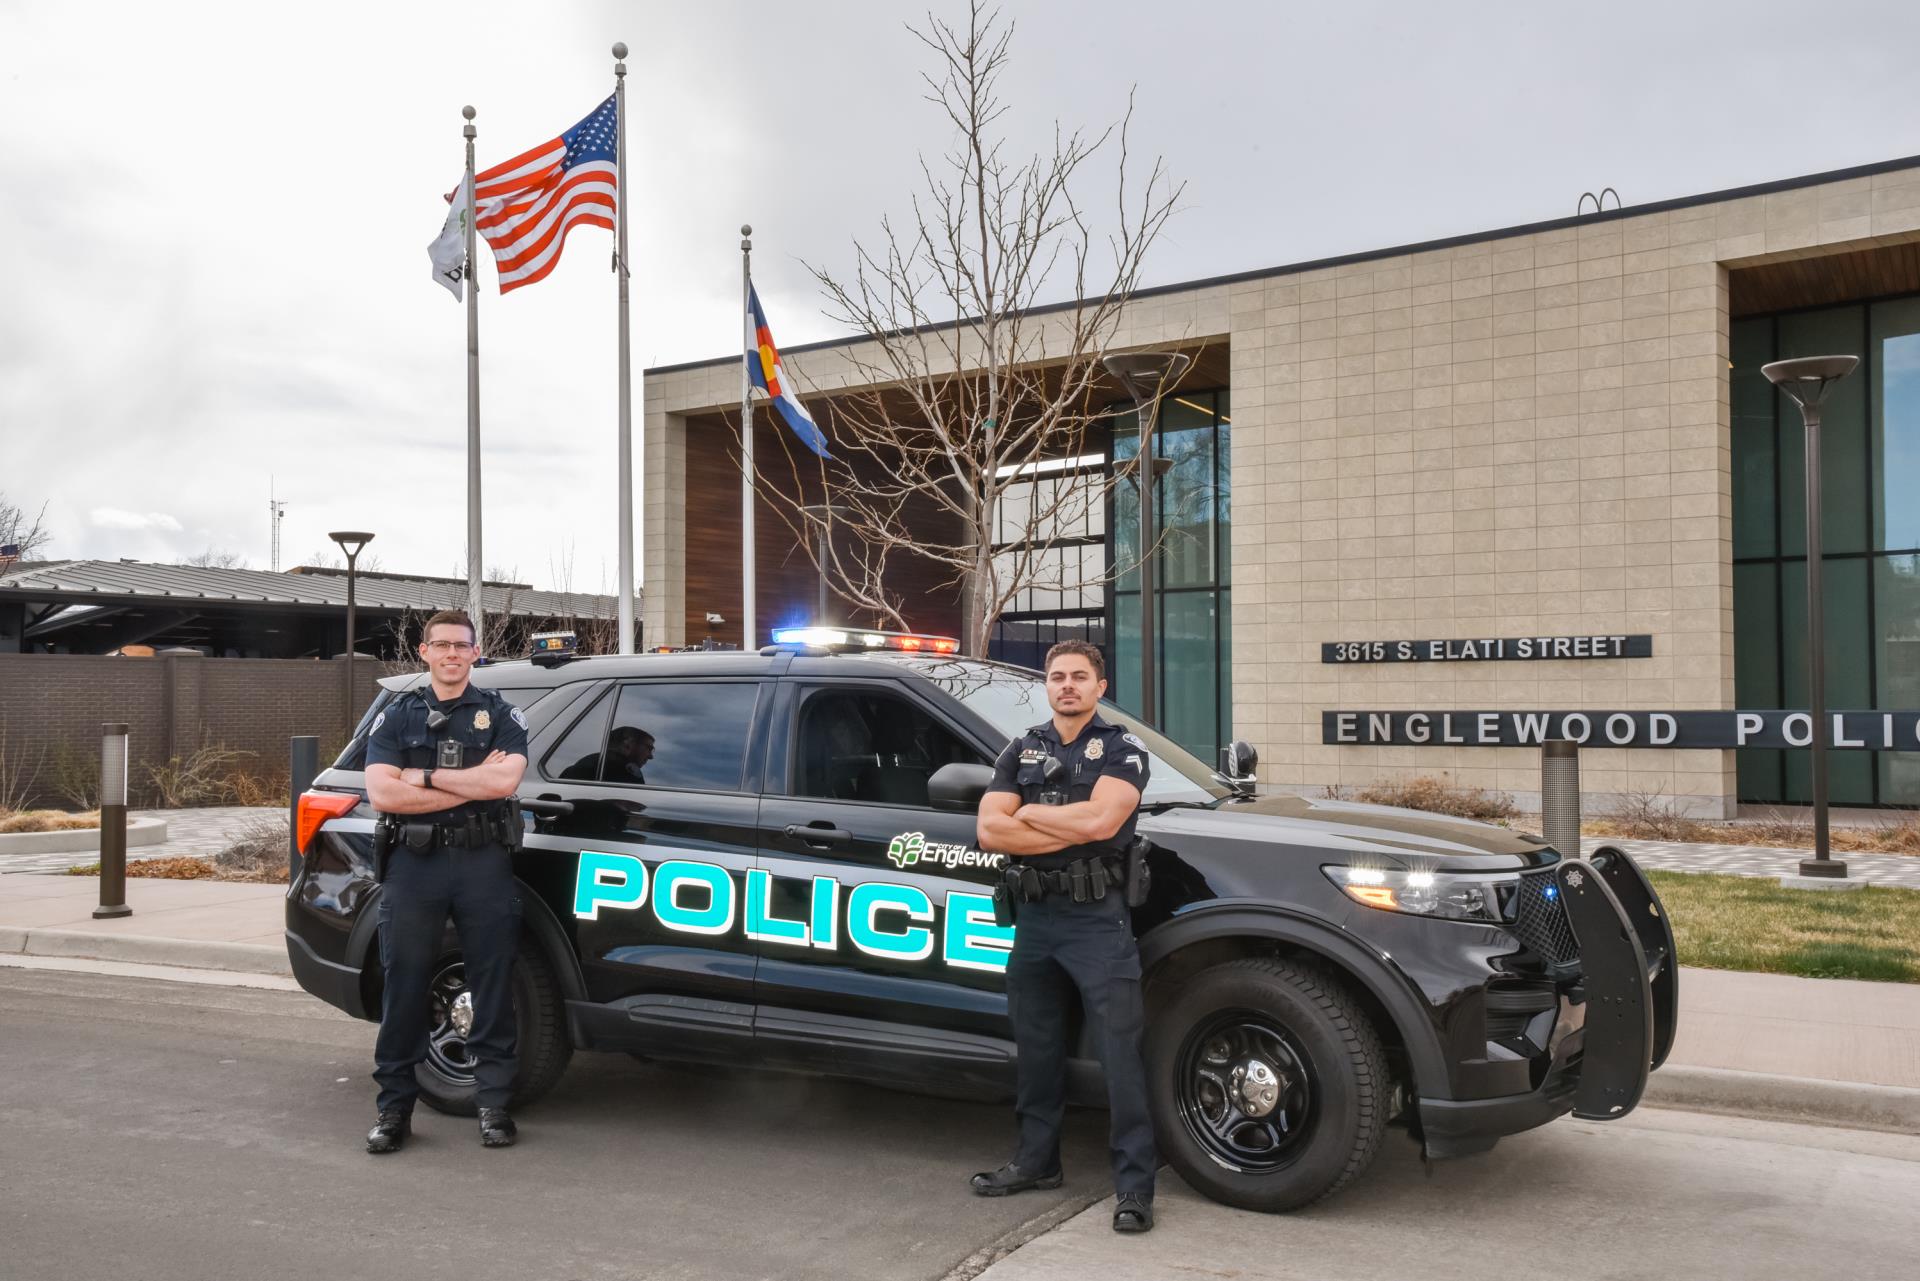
pixel 478 720
pixel 1103 750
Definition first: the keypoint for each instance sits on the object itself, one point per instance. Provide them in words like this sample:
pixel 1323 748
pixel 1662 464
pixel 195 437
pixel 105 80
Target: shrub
pixel 259 853
pixel 1437 796
pixel 204 778
pixel 1655 816
pixel 76 776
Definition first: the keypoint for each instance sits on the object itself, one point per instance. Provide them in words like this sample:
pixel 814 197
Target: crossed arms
pixel 1009 827
pixel 396 791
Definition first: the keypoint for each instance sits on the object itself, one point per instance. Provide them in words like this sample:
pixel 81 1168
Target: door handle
pixel 546 806
pixel 818 833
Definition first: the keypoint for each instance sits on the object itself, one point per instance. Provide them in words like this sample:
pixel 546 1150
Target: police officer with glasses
pixel 442 762
pixel 1063 804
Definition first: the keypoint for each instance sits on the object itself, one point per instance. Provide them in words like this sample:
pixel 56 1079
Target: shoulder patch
pixel 519 718
pixel 378 721
pixel 1134 740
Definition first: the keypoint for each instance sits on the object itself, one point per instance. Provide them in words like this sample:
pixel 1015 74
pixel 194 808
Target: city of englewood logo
pixel 909 848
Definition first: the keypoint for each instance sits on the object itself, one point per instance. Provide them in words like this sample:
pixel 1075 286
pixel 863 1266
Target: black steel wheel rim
pixel 446 1045
pixel 1237 1131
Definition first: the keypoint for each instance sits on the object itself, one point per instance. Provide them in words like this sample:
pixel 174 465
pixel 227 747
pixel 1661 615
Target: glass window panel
pixel 1753 439
pixel 1186 496
pixel 680 735
pixel 1896 588
pixel 1123 659
pixel 1895 352
pixel 1189 693
pixel 1226 666
pixel 1126 505
pixel 1756 670
pixel 1844 584
pixel 1843 436
pixel 1223 489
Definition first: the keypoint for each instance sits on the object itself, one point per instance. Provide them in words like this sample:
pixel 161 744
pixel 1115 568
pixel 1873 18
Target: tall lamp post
pixel 1807 381
pixel 1145 375
pixel 353 542
pixel 822 515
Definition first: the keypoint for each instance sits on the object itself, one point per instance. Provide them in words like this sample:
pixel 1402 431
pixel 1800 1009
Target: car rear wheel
pixel 446 1075
pixel 1268 1084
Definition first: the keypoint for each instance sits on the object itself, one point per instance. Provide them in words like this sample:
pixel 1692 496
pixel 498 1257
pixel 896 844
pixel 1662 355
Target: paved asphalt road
pixel 163 1131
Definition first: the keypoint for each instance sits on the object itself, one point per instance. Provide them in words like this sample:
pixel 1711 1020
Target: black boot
pixel 1133 1214
pixel 389 1132
pixel 1011 1178
pixel 497 1129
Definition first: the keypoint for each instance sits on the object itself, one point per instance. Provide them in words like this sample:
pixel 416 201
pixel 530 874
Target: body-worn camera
pixel 452 754
pixel 1053 776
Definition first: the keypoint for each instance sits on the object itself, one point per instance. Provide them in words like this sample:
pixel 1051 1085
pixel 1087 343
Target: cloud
pixel 117 518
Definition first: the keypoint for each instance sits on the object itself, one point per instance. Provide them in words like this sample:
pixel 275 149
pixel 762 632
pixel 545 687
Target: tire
pixel 1329 1084
pixel 542 1045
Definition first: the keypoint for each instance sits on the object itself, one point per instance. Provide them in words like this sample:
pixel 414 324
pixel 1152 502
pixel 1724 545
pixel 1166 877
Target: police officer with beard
pixel 441 762
pixel 1063 803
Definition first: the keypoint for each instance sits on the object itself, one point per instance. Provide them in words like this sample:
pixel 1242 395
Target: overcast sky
pixel 217 214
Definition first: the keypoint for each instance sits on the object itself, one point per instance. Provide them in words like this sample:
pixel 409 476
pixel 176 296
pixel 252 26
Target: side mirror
pixel 1238 761
pixel 959 786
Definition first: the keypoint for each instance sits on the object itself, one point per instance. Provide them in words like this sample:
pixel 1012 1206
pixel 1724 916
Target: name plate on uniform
pixel 1486 649
pixel 1880 731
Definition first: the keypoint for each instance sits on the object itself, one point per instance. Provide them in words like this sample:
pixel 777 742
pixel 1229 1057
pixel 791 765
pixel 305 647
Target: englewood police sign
pixel 1885 731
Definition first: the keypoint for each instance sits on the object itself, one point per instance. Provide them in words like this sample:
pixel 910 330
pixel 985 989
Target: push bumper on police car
pixel 1621 985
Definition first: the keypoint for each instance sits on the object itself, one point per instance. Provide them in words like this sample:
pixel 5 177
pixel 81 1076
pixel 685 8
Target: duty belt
pixel 1085 880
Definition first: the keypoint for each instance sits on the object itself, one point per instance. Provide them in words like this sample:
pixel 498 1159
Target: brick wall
pixel 53 705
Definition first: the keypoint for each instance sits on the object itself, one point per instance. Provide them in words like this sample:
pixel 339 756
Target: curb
pixel 1766 1097
pixel 144 949
pixel 82 840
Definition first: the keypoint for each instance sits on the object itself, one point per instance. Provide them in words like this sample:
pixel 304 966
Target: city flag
pixel 526 206
pixel 763 367
pixel 449 249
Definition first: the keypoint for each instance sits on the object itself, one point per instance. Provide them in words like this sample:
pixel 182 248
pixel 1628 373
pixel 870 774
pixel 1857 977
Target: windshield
pixel 1013 700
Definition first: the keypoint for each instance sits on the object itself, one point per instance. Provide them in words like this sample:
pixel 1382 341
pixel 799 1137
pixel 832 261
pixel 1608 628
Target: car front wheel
pixel 1269 1084
pixel 542 1049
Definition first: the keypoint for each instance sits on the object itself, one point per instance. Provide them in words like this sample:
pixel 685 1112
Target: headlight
pixel 1452 896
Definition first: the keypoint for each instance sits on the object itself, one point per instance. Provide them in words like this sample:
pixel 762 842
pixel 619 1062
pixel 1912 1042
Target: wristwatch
pixel 426 778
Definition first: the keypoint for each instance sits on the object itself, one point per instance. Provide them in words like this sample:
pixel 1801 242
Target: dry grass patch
pixel 1751 923
pixel 257 856
pixel 1652 818
pixel 12 821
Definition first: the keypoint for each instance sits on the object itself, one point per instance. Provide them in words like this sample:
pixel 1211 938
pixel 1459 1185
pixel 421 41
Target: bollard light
pixel 1560 795
pixel 113 822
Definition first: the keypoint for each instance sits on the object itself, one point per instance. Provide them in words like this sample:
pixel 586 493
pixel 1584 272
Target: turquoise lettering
pixel 973 941
pixel 867 901
pixel 761 923
pixel 714 918
pixel 610 880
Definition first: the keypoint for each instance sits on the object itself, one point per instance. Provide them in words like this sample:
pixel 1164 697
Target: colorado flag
pixel 763 367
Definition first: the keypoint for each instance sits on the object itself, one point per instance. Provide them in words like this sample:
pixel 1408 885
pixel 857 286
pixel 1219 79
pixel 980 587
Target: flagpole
pixel 746 440
pixel 626 362
pixel 476 601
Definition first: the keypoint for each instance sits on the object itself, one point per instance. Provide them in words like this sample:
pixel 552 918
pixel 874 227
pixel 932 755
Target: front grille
pixel 1540 921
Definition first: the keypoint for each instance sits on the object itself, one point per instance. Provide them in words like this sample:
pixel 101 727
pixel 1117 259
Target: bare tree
pixel 28 530
pixel 969 396
pixel 213 559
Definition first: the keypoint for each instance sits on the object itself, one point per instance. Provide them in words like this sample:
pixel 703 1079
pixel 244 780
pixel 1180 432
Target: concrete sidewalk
pixel 1769 1045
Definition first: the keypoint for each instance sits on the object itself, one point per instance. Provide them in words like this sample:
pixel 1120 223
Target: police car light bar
pixel 854 639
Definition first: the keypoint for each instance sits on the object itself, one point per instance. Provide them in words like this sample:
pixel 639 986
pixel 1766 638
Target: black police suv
pixel 769 858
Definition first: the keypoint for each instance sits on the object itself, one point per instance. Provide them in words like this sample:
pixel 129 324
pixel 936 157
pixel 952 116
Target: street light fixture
pixel 1807 381
pixel 1145 375
pixel 353 542
pixel 822 515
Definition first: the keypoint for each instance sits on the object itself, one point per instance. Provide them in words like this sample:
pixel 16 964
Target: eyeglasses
pixel 451 647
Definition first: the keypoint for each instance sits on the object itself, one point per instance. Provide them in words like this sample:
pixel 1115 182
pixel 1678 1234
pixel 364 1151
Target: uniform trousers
pixel 1060 946
pixel 476 887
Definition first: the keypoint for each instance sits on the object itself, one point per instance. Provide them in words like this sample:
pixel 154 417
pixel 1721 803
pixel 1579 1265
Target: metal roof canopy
pixel 105 582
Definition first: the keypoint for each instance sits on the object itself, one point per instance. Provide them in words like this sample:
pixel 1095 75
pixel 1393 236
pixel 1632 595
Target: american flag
pixel 526 206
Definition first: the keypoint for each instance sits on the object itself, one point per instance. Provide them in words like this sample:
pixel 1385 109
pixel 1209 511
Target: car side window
pixel 578 756
pixel 680 734
pixel 870 745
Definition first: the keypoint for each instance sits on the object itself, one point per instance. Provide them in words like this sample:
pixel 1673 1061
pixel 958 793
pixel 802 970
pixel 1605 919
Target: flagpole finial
pixel 467 112
pixel 746 231
pixel 619 48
